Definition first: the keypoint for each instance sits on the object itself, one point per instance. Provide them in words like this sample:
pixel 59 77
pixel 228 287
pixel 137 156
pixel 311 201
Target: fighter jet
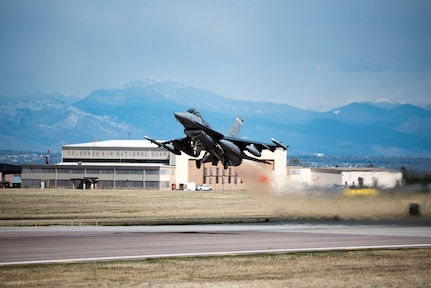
pixel 228 149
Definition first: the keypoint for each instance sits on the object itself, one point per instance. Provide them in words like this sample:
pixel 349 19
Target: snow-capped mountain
pixel 48 123
pixel 145 108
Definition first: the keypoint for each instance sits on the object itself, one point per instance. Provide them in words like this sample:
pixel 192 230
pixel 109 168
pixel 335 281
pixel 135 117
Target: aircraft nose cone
pixel 181 116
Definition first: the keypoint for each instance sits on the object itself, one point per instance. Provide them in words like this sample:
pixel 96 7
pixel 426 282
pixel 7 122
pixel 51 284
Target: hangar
pixel 136 164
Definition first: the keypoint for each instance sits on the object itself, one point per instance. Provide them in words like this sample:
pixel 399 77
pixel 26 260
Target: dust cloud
pixel 288 201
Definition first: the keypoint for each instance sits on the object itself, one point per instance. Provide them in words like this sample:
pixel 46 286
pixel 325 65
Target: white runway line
pixel 209 254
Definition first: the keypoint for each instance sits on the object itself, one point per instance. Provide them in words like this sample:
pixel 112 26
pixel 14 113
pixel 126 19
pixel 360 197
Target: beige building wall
pixel 181 171
pixel 233 178
pixel 372 178
pixel 349 177
pixel 299 175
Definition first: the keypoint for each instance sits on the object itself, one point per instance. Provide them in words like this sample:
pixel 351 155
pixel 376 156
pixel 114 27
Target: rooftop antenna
pixel 48 158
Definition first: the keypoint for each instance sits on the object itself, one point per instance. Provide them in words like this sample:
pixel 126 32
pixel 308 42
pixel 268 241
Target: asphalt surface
pixel 75 244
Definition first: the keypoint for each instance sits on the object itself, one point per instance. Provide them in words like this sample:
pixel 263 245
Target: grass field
pixel 29 207
pixel 368 268
pixel 124 207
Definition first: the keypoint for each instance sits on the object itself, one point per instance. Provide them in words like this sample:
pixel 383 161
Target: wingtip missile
pixel 278 144
pixel 153 141
pixel 167 146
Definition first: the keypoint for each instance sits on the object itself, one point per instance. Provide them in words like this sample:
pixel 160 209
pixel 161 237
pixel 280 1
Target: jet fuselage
pixel 229 149
pixel 194 127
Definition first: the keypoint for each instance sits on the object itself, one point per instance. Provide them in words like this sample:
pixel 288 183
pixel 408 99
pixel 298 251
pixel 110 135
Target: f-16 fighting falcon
pixel 228 149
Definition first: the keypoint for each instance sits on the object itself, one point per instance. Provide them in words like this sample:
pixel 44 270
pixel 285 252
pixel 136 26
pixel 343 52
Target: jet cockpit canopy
pixel 196 113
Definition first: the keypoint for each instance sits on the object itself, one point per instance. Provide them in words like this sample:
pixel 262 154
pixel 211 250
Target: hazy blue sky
pixel 311 54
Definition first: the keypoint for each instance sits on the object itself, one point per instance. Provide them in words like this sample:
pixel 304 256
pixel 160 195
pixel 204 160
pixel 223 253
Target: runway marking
pixel 209 254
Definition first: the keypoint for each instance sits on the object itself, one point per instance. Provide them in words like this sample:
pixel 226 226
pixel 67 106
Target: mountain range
pixel 48 121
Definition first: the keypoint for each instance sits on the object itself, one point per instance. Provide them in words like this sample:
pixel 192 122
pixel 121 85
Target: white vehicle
pixel 204 187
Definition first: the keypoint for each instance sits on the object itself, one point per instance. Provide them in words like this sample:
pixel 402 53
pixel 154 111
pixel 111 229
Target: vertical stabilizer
pixel 236 127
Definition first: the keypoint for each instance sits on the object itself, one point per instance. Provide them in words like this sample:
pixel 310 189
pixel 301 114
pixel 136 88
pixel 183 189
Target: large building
pixel 140 164
pixel 357 177
pixel 136 164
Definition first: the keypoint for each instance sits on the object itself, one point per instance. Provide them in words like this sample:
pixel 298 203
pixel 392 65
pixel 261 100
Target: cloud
pixel 309 54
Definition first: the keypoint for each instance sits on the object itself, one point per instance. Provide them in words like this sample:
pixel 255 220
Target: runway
pixel 43 245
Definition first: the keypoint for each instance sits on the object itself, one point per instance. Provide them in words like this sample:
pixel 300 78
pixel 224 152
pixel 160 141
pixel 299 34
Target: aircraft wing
pixel 250 145
pixel 255 148
pixel 214 134
pixel 171 145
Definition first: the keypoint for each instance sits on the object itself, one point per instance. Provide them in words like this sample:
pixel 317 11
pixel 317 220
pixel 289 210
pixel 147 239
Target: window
pixel 295 172
pixel 152 184
pixel 70 171
pixel 93 171
pixel 152 172
pixel 129 171
pixel 204 181
pixel 129 184
pixel 164 184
